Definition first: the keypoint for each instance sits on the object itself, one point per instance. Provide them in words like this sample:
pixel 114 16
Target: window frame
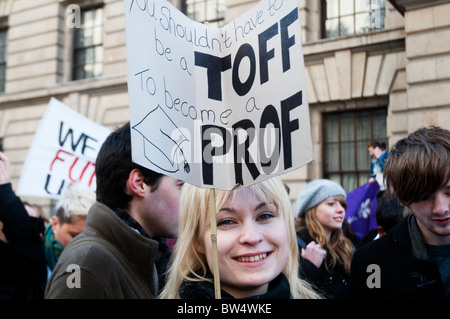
pixel 323 20
pixel 75 49
pixel 4 64
pixel 217 20
pixel 356 171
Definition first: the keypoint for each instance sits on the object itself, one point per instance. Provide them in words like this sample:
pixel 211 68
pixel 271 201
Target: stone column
pixel 427 27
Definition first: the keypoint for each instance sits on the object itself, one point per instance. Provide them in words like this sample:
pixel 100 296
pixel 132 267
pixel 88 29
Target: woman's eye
pixel 265 216
pixel 225 222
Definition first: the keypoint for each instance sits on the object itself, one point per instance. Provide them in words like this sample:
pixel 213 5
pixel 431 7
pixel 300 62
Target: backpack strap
pixel 135 282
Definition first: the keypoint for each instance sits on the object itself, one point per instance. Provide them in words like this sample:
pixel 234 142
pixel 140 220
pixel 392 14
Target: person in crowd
pixel 326 252
pixel 256 245
pixel 69 221
pixel 378 154
pixel 23 272
pixel 117 254
pixel 388 214
pixel 413 259
pixel 350 233
pixel 2 235
pixel 35 210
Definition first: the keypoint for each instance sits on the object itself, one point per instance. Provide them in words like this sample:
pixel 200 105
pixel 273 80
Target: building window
pixel 348 17
pixel 3 47
pixel 210 11
pixel 345 156
pixel 88 45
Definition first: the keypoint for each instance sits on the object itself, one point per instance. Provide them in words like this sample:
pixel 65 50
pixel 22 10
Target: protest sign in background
pixel 362 206
pixel 217 107
pixel 63 151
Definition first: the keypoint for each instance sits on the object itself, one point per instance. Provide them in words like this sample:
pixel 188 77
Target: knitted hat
pixel 316 192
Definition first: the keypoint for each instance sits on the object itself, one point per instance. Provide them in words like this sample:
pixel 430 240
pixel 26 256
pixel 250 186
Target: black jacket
pixel 279 288
pixel 394 271
pixel 330 284
pixel 23 270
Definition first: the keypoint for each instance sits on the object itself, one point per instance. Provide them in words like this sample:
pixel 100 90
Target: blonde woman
pixel 256 244
pixel 326 253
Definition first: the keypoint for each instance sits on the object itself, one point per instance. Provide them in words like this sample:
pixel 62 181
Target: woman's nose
pixel 250 234
pixel 340 208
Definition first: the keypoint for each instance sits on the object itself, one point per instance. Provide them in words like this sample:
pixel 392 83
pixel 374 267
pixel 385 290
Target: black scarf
pixel 279 288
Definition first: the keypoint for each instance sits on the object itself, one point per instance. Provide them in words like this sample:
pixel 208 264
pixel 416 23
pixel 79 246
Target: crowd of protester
pixel 143 234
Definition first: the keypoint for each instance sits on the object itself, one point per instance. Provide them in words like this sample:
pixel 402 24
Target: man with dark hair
pixel 412 260
pixel 115 255
pixel 388 214
pixel 378 154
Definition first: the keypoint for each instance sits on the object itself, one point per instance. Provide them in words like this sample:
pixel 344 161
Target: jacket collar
pixel 407 235
pixel 130 221
pixel 139 250
pixel 417 243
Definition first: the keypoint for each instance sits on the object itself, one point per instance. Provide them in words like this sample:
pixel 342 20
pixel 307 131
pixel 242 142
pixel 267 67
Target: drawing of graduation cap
pixel 162 141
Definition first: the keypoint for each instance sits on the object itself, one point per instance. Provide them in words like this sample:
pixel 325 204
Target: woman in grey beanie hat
pixel 326 253
pixel 316 192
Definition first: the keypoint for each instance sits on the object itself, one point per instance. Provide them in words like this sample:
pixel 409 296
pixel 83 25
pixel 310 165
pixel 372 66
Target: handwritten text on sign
pixel 217 107
pixel 64 150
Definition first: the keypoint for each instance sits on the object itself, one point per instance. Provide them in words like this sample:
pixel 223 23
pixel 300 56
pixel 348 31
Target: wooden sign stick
pixel 212 202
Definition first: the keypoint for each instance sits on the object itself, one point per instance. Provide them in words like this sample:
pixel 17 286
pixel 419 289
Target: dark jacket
pixel 101 272
pixel 395 271
pixel 330 284
pixel 23 270
pixel 279 288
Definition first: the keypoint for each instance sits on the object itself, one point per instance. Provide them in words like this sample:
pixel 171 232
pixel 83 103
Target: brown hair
pixel 375 144
pixel 418 165
pixel 340 247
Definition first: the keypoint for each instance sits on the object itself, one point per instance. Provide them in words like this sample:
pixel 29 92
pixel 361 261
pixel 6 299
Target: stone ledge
pixel 102 83
pixel 354 42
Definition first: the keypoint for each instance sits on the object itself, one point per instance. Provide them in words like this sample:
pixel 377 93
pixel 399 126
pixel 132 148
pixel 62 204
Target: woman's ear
pixel 135 183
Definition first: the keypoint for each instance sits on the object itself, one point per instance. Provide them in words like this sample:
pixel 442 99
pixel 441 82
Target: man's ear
pixel 381 231
pixel 135 183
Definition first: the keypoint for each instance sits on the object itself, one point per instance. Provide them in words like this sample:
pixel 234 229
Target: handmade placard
pixel 217 107
pixel 63 151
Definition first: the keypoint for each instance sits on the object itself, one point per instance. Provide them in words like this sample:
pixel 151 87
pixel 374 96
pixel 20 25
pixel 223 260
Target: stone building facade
pixel 387 81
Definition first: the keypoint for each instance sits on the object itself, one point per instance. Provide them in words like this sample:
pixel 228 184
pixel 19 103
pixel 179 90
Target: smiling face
pixel 252 243
pixel 330 214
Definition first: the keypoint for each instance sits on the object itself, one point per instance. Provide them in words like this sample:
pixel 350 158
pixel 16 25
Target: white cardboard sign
pixel 217 107
pixel 63 151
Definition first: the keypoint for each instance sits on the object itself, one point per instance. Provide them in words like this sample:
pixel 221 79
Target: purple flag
pixel 362 207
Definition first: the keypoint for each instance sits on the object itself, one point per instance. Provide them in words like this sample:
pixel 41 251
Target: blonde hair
pixel 188 264
pixel 340 247
pixel 75 202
